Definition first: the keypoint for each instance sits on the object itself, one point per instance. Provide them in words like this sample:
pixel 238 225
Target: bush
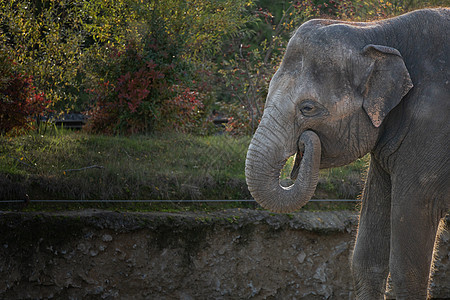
pixel 143 88
pixel 20 102
pixel 128 95
pixel 161 79
pixel 183 112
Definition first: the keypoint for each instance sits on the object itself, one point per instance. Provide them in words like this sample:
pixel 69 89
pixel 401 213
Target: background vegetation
pixel 152 75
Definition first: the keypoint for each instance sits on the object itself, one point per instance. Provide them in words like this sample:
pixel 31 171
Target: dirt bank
pixel 230 254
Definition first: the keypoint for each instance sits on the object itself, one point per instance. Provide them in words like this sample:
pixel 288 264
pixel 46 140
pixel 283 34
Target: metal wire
pixel 158 201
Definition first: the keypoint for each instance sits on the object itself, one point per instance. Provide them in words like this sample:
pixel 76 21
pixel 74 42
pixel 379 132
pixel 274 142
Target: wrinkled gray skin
pixel 347 89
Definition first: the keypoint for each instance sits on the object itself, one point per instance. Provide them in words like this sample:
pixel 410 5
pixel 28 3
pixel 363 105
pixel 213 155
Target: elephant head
pixel 326 103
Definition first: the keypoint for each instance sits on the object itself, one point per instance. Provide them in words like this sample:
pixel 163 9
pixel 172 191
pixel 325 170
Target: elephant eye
pixel 310 108
pixel 307 107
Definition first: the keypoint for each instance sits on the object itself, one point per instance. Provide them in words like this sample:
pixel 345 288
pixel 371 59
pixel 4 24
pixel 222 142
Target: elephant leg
pixel 414 229
pixel 370 261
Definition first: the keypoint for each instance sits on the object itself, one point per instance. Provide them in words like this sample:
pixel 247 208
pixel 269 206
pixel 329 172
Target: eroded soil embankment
pixel 218 255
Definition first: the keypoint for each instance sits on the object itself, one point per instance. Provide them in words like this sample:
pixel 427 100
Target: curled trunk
pixel 262 170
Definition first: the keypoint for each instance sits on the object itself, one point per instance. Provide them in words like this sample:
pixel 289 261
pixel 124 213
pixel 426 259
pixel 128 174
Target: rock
pixel 107 238
pixel 301 257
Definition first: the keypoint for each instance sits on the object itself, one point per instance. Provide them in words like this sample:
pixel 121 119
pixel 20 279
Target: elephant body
pixel 346 89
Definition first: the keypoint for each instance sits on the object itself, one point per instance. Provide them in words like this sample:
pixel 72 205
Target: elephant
pixel 346 89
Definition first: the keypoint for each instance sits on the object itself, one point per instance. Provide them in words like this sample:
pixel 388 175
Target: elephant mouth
pixel 297 162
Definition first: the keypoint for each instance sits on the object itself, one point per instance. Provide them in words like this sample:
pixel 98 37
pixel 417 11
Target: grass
pixel 75 165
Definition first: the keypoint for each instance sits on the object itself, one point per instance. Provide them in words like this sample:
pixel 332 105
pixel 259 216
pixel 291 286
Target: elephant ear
pixel 385 83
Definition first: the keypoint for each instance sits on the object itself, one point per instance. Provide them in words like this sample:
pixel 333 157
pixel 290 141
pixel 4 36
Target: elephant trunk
pixel 263 166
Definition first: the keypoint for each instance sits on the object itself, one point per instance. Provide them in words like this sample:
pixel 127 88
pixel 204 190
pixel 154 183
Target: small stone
pixel 81 247
pixel 320 273
pixel 98 290
pixel 107 238
pixel 301 257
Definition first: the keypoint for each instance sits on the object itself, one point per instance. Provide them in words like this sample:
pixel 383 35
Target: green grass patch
pixel 78 166
pixel 75 165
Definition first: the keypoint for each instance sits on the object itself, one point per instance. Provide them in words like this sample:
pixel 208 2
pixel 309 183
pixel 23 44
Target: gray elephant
pixel 347 89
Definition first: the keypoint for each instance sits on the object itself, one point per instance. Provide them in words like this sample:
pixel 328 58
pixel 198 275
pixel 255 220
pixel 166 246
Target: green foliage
pixel 45 38
pixel 199 26
pixel 64 45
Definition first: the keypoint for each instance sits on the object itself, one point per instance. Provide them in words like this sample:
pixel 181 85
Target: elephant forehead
pixel 311 62
pixel 290 85
pixel 329 41
pixel 311 76
pixel 321 32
